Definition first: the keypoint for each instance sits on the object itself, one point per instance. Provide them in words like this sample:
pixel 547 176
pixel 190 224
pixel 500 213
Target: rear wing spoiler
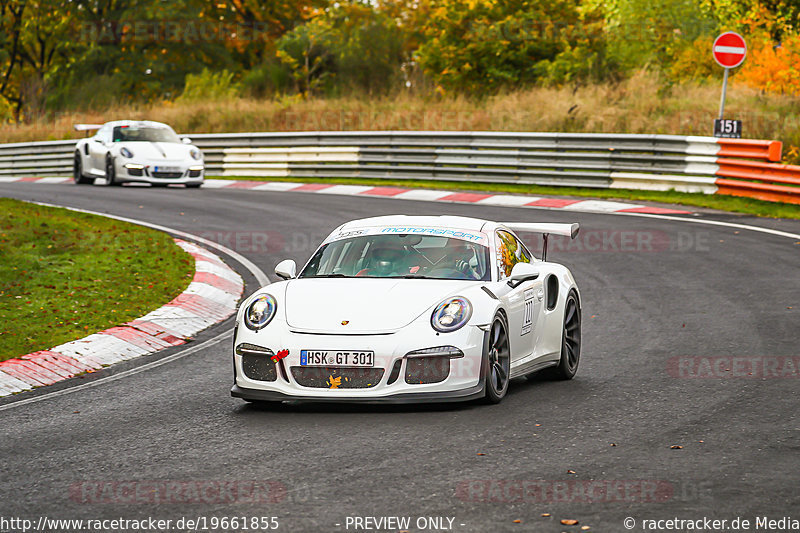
pixel 545 228
pixel 87 127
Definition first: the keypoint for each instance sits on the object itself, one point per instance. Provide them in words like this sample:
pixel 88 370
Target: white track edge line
pixel 759 229
pixel 115 377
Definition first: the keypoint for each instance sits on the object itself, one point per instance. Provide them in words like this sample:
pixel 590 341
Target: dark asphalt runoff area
pixel 685 405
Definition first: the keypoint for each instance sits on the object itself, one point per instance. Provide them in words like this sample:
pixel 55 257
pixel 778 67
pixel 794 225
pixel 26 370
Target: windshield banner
pixel 453 233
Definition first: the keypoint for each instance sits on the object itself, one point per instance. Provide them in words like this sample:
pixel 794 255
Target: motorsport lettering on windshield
pixel 436 231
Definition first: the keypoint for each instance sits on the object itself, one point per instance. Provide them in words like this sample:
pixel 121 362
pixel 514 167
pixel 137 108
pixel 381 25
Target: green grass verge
pixel 712 201
pixel 65 275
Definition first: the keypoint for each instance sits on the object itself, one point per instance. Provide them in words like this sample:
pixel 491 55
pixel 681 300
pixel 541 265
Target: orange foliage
pixel 773 68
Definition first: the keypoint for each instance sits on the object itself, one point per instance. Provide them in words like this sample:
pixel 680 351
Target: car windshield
pixel 146 134
pixel 400 256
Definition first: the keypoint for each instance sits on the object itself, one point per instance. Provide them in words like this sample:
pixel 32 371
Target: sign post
pixel 729 52
pixel 724 93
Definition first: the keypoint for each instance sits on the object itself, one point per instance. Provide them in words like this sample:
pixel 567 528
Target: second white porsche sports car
pixel 410 308
pixel 137 151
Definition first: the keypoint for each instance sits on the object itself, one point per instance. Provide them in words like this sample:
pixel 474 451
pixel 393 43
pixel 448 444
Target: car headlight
pixel 260 312
pixel 125 152
pixel 451 314
pixel 196 154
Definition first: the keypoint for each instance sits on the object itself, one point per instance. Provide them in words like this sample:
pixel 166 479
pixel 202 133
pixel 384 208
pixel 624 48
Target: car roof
pixel 139 123
pixel 441 221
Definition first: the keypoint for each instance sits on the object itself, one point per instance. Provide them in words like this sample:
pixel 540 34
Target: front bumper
pixel 397 382
pixel 463 395
pixel 186 173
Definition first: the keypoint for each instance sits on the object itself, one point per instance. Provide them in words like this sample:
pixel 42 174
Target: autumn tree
pixel 482 45
pixel 11 26
pixel 359 47
pixel 268 21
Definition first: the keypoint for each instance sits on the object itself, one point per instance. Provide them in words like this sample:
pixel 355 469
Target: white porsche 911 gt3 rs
pixel 410 308
pixel 137 151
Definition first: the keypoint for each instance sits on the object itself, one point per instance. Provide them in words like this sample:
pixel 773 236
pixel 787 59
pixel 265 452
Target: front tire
pixel 496 361
pixel 77 171
pixel 570 341
pixel 111 173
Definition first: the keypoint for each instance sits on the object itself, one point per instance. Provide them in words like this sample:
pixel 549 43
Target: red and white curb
pixel 430 195
pixel 425 195
pixel 210 298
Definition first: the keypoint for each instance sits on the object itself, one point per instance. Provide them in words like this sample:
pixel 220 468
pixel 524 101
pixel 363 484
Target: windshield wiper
pixel 328 276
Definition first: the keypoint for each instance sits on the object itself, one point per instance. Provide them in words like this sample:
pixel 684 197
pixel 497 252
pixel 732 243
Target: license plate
pixel 166 169
pixel 336 358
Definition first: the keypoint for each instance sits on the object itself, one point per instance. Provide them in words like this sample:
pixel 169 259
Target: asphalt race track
pixel 663 303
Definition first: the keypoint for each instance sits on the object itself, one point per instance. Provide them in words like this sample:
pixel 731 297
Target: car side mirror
pixel 186 140
pixel 522 272
pixel 286 269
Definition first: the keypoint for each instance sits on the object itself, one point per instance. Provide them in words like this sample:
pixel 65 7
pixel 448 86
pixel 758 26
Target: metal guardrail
pixel 49 158
pixel 657 162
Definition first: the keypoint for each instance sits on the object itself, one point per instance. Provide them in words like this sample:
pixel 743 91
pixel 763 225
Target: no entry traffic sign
pixel 729 49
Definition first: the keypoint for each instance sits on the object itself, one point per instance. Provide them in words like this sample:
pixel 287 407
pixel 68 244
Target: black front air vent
pixel 257 362
pixel 167 175
pixel 552 292
pixel 259 368
pixel 395 372
pixel 423 370
pixel 282 369
pixel 336 377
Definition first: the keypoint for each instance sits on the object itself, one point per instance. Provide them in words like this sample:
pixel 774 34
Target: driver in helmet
pixel 386 259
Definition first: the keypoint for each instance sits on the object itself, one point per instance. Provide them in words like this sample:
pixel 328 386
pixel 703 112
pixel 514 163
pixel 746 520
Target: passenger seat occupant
pixel 462 254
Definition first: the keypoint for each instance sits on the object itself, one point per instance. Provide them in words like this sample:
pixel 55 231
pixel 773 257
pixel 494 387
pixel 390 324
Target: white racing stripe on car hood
pixel 369 305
